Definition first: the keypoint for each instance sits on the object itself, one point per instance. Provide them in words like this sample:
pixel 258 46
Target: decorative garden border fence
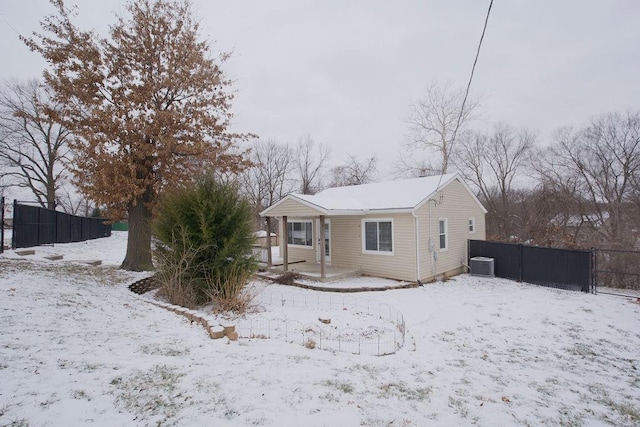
pixel 373 342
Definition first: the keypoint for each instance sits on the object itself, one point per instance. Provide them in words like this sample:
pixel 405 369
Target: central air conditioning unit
pixel 482 266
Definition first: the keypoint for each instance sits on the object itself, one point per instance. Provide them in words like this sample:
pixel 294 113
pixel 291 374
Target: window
pixel 377 236
pixel 443 234
pixel 472 225
pixel 300 233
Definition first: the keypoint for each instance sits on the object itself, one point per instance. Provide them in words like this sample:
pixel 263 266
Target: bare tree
pixel 75 203
pixel 270 178
pixel 602 162
pixel 33 145
pixel 411 164
pixel 435 120
pixel 492 163
pixel 3 185
pixel 310 160
pixel 354 172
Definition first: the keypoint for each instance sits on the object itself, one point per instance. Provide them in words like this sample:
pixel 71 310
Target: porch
pixel 310 236
pixel 313 271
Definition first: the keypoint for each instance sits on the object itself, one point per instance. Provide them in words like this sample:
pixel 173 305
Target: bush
pixel 287 278
pixel 203 239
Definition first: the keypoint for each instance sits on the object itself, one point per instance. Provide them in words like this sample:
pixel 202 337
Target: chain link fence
pixel 383 335
pixel 617 272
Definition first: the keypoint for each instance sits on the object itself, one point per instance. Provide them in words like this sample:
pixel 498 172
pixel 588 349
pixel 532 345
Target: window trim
pixel 446 234
pixel 303 221
pixel 364 236
pixel 472 225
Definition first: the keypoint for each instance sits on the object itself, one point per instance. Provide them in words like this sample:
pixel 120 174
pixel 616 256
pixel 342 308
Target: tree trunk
pixel 51 194
pixel 138 256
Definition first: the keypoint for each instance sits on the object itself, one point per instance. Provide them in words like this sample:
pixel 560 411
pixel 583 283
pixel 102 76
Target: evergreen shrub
pixel 203 246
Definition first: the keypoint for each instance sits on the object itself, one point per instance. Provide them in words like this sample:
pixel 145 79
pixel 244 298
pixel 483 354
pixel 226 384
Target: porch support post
pixel 285 244
pixel 322 249
pixel 269 260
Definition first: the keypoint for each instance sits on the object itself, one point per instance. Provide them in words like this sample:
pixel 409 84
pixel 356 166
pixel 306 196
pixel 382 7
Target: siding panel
pixel 293 208
pixel 346 234
pixel 457 206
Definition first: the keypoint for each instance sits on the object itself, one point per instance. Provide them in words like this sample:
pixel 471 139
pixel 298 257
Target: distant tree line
pixel 580 190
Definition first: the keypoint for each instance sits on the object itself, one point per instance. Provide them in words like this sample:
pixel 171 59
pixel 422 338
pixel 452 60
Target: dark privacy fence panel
pixel 507 253
pixel 553 267
pixel 33 226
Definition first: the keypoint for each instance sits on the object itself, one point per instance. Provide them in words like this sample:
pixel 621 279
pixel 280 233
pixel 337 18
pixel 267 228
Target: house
pixel 261 239
pixel 413 230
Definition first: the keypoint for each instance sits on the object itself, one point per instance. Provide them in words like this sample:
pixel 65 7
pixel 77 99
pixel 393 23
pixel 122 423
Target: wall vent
pixel 482 266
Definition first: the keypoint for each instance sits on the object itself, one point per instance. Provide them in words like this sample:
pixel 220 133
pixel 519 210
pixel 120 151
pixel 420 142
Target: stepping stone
pixel 54 257
pixel 26 252
pixel 94 263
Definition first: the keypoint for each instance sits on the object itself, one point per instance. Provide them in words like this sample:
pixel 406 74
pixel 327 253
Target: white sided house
pixel 413 230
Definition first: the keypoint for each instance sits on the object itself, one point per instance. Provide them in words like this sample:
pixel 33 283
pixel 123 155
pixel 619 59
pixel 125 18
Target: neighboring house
pixel 584 229
pixel 261 238
pixel 414 230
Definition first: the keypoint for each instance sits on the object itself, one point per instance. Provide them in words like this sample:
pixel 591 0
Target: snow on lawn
pixel 77 347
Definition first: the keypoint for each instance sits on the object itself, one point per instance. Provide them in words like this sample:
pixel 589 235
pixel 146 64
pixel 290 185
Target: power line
pixel 466 94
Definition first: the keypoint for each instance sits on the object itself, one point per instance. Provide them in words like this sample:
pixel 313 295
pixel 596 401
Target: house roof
pixel 401 195
pixel 593 219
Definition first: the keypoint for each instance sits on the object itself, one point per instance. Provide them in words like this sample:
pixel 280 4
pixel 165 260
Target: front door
pixel 326 242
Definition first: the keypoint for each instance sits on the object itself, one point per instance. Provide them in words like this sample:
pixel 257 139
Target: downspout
pixel 417 227
pixel 432 257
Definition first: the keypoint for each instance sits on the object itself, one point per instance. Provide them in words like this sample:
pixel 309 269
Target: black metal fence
pixel 617 272
pixel 34 226
pixel 553 267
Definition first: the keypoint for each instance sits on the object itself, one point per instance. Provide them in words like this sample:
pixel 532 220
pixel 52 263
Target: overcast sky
pixel 345 72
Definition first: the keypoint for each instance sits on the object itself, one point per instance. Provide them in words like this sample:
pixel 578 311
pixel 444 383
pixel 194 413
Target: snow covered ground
pixel 78 348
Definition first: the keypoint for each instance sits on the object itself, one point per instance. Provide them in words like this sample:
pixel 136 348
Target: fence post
pixel 2 225
pixel 520 259
pixel 55 233
pixel 38 234
pixel 594 270
pixel 13 225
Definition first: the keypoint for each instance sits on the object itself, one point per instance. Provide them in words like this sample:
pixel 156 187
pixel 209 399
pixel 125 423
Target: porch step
pixel 280 263
pixel 320 286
